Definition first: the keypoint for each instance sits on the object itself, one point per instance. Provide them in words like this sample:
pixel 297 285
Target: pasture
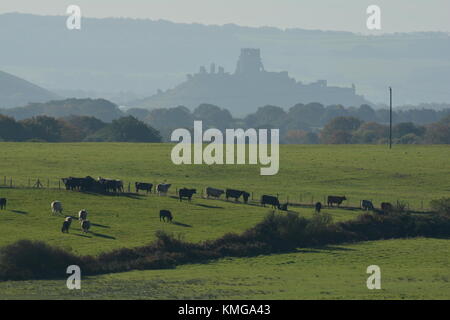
pixel 410 269
pixel 416 174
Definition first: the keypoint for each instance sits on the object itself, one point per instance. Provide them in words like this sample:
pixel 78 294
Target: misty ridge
pixel 129 60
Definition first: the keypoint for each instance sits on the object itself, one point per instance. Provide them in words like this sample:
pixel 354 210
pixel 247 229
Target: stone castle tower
pixel 249 62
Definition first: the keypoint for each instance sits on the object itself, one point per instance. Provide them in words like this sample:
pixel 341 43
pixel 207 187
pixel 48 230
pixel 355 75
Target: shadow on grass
pixel 181 224
pixel 207 206
pixel 103 236
pixel 19 212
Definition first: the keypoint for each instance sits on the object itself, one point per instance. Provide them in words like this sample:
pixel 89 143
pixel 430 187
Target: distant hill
pixel 98 108
pixel 15 92
pixel 138 57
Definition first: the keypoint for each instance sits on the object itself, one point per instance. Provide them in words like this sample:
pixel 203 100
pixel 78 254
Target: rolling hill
pixel 16 92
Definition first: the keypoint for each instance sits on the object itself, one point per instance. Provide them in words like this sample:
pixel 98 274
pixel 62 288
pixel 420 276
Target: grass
pixel 417 174
pixel 410 269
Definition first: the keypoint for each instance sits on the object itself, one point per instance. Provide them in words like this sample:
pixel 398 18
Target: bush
pixel 27 259
pixel 441 206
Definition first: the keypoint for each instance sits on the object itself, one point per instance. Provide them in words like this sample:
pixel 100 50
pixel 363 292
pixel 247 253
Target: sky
pixel 340 15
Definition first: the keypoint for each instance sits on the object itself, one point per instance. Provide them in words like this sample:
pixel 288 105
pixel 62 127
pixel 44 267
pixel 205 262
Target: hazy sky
pixel 346 15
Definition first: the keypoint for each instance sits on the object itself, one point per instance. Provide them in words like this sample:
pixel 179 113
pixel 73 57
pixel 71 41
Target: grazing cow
pixel 56 207
pixel 163 188
pixel 245 196
pixel 2 203
pixel 318 207
pixel 236 194
pixel 270 200
pixel 66 225
pixel 386 207
pixel 143 186
pixel 165 214
pixel 366 205
pixel 334 199
pixel 111 185
pixel 82 215
pixel 85 226
pixel 215 193
pixel 186 193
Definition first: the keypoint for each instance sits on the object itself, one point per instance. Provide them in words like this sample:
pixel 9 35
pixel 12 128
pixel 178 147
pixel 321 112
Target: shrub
pixel 27 259
pixel 441 206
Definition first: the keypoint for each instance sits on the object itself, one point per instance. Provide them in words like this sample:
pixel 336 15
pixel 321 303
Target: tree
pixel 43 128
pixel 10 130
pixel 213 116
pixel 438 133
pixel 340 130
pixel 126 129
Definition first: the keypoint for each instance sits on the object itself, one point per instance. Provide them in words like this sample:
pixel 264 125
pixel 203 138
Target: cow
pixel 66 225
pixel 245 196
pixel 284 207
pixel 82 184
pixel 366 205
pixel 56 207
pixel 236 194
pixel 82 215
pixel 318 207
pixel 215 193
pixel 186 193
pixel 265 199
pixel 143 186
pixel 386 207
pixel 165 214
pixel 335 199
pixel 163 188
pixel 2 203
pixel 85 226
pixel 111 185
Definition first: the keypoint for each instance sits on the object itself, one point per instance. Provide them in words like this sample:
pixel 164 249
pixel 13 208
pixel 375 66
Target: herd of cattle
pixel 89 184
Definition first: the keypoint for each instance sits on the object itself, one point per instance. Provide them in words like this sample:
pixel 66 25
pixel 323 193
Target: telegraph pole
pixel 390 118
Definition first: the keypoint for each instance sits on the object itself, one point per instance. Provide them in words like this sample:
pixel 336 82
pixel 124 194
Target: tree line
pixel 76 129
pixel 73 120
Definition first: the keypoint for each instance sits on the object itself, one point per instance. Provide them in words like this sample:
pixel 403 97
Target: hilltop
pixel 15 92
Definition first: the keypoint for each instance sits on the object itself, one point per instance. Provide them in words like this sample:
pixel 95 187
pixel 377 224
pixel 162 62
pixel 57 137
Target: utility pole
pixel 390 118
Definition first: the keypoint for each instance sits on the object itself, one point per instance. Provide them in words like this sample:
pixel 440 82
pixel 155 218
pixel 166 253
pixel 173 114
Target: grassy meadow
pixel 414 268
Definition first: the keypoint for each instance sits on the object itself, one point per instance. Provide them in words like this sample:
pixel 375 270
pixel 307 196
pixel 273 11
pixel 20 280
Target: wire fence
pixel 306 199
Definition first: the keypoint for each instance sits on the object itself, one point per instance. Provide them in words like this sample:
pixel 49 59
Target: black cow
pixel 66 225
pixel 386 207
pixel 335 199
pixel 2 203
pixel 215 193
pixel 165 214
pixel 366 205
pixel 111 185
pixel 82 184
pixel 318 207
pixel 143 186
pixel 186 193
pixel 284 207
pixel 236 194
pixel 85 226
pixel 270 200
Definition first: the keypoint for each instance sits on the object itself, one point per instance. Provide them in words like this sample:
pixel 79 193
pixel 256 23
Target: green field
pixel 416 174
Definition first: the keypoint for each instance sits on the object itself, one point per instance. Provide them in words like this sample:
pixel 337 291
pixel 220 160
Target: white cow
pixel 56 207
